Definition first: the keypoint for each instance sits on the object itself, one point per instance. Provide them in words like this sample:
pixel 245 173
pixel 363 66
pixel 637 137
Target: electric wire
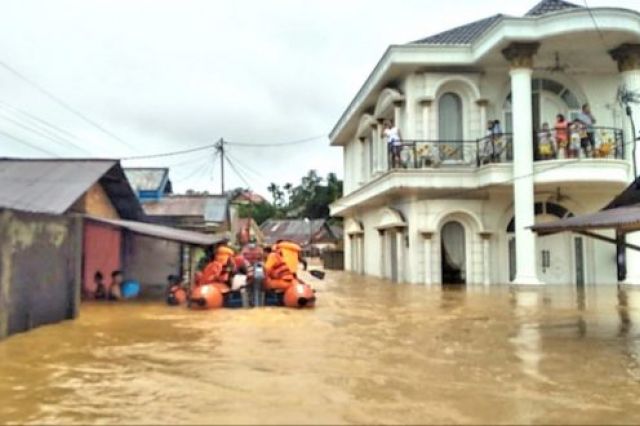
pixel 275 144
pixel 27 143
pixel 65 105
pixel 170 153
pixel 595 24
pixel 240 175
pixel 39 132
pixel 45 126
pixel 245 167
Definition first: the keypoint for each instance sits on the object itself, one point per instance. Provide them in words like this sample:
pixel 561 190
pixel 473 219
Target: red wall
pixel 102 246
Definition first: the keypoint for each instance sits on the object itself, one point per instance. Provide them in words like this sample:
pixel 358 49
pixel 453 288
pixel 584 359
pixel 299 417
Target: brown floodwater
pixel 371 352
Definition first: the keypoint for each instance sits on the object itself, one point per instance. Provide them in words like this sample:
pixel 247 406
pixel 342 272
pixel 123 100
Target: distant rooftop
pixel 213 208
pixel 147 178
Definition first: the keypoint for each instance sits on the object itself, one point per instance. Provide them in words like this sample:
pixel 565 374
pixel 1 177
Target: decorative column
pixel 520 55
pixel 486 257
pixel 482 104
pixel 383 158
pixel 383 257
pixel 362 170
pixel 426 103
pixel 375 151
pixel 400 253
pixel 428 273
pixel 397 112
pixel 628 58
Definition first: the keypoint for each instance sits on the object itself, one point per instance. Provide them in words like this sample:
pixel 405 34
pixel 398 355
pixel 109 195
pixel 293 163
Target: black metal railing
pixel 419 154
pixel 597 142
pixel 579 142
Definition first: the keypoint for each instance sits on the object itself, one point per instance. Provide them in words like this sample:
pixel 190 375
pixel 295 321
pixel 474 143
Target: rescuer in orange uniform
pixel 220 270
pixel 281 266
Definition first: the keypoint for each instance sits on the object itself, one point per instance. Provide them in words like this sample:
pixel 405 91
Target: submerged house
pixel 61 222
pixel 455 202
pixel 314 235
pixel 197 212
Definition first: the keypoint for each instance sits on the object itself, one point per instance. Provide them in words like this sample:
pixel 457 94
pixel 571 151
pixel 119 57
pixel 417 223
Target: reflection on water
pixel 372 352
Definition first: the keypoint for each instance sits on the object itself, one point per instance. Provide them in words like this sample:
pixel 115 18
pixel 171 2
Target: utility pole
pixel 220 148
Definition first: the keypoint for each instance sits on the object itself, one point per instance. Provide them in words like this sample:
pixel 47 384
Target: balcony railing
pixel 419 154
pixel 599 142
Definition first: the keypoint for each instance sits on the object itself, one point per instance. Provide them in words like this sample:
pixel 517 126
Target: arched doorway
pixel 453 251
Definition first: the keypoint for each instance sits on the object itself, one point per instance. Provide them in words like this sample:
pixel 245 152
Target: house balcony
pixel 443 169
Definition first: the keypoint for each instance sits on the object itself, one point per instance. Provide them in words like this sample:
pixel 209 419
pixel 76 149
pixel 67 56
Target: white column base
pixel 527 280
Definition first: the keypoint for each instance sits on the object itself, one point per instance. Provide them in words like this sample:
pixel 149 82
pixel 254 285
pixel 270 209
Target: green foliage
pixel 311 198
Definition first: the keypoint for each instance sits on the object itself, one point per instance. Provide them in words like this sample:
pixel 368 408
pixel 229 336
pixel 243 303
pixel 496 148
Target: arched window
pixel 450 117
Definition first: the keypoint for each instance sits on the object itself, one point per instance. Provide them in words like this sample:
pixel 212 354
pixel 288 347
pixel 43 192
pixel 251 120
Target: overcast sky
pixel 168 75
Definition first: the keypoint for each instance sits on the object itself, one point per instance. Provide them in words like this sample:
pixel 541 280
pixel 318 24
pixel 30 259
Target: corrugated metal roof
pixel 211 208
pixel 623 218
pixel 163 232
pixel 53 185
pixel 147 179
pixel 463 35
pixel 296 230
pixel 551 6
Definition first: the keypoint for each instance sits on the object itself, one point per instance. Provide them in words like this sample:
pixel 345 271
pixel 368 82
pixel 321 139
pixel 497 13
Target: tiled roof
pixel 469 33
pixel 466 34
pixel 550 6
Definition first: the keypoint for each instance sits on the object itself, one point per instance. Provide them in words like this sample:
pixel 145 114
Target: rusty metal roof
pixel 296 230
pixel 162 232
pixel 213 208
pixel 53 185
pixel 626 219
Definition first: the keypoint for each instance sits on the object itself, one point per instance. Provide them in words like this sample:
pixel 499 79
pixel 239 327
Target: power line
pixel 169 154
pixel 245 167
pixel 41 133
pixel 63 104
pixel 269 145
pixel 595 24
pixel 203 164
pixel 44 125
pixel 240 175
pixel 27 143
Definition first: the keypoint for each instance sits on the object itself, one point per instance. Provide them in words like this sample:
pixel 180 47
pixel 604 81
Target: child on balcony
pixel 562 136
pixel 545 143
pixel 574 139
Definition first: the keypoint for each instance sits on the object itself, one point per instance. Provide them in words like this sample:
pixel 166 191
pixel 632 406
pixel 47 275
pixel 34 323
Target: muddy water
pixel 371 352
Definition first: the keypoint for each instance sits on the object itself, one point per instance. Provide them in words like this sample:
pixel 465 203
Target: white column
pixel 486 257
pixel 383 158
pixel 397 114
pixel 521 57
pixel 428 264
pixel 400 254
pixel 426 116
pixel 383 254
pixel 374 148
pixel 482 104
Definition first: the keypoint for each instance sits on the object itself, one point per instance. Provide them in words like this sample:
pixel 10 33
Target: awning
pixel 162 232
pixel 622 219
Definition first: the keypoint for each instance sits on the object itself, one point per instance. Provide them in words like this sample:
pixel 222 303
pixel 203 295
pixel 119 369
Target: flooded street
pixel 371 352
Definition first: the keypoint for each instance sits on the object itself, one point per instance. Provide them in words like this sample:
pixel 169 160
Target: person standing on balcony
pixel 545 142
pixel 394 142
pixel 587 139
pixel 562 135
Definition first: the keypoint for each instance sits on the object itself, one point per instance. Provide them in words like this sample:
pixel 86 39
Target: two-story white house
pixel 458 205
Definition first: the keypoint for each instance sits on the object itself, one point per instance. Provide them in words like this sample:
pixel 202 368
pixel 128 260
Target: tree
pixel 259 212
